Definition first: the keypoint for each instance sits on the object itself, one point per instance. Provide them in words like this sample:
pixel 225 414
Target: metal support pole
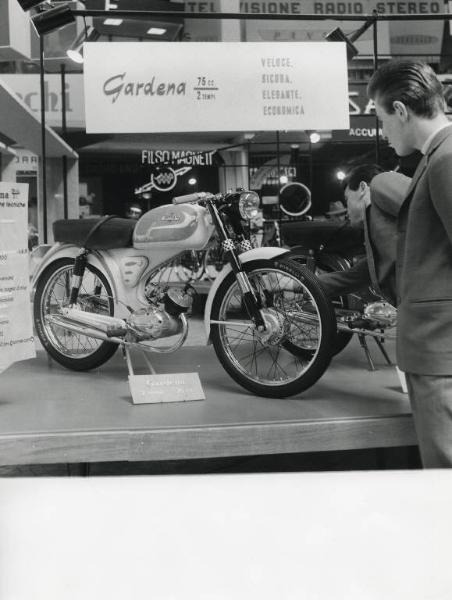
pixel 375 44
pixel 278 165
pixel 64 132
pixel 43 138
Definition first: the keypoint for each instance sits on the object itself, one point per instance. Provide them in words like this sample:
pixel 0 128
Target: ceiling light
pixel 113 22
pixel 52 19
pixel 192 181
pixel 29 4
pixel 340 175
pixel 156 31
pixel 314 137
pixel 75 52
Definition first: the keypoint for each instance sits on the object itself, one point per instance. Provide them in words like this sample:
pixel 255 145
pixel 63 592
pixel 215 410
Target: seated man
pixel 373 201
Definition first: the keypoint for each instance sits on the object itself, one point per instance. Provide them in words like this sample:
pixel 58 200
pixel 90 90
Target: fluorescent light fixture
pixel 156 31
pixel 113 22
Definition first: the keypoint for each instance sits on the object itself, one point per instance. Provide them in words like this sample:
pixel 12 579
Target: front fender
pixel 266 253
pixel 58 251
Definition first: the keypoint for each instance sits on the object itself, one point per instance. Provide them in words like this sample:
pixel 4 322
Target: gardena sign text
pixel 210 86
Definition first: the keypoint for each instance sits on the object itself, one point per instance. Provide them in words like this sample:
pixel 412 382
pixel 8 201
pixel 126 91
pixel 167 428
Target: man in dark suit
pixel 373 201
pixel 410 105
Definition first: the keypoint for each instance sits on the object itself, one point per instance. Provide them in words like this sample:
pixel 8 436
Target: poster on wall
pixel 16 329
pixel 228 86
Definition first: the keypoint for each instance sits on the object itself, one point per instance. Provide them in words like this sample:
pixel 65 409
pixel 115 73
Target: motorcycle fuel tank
pixel 185 226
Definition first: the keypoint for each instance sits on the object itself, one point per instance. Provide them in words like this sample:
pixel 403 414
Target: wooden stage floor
pixel 52 415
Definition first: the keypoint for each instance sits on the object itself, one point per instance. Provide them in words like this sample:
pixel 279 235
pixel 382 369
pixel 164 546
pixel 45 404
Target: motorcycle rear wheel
pixel 303 319
pixel 343 338
pixel 72 350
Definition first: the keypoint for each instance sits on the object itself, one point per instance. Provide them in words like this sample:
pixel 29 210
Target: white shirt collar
pixel 428 141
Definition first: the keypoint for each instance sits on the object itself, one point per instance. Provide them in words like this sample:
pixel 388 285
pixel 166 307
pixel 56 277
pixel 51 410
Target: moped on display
pixel 104 284
pixel 332 244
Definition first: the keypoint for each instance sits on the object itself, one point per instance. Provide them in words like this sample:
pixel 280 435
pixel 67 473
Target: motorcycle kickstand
pixel 128 359
pixel 380 344
pixel 365 347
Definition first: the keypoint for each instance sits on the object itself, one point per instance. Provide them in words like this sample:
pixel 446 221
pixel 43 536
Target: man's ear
pixel 400 110
pixel 363 187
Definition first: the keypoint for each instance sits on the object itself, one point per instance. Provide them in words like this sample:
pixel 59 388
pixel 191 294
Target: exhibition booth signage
pixel 225 86
pixel 421 38
pixel 16 330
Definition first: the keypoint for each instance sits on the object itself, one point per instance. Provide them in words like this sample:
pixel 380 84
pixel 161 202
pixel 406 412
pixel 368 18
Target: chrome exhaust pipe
pixel 81 329
pixel 105 323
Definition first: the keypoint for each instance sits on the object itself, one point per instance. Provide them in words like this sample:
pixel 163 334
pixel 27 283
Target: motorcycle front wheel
pixel 294 350
pixel 72 350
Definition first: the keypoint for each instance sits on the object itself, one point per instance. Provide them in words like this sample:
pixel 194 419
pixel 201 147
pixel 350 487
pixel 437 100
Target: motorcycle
pixel 105 284
pixel 332 244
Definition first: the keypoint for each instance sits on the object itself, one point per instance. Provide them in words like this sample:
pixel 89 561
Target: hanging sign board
pixel 16 331
pixel 226 86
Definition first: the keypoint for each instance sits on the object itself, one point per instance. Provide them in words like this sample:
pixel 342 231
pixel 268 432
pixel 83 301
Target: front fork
pixel 81 260
pixel 250 300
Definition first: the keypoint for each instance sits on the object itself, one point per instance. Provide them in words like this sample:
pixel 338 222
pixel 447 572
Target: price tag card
pixel 169 387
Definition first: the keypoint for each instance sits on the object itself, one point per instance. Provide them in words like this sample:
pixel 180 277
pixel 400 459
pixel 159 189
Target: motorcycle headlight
pixel 249 205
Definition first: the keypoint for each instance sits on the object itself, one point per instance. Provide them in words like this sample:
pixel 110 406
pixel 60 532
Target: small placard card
pixel 168 387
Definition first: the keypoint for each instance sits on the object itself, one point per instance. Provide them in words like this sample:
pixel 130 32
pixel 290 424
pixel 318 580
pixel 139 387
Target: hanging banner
pixel 16 330
pixel 395 37
pixel 227 86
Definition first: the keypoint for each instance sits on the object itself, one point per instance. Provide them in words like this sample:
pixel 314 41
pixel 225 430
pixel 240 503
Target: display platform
pixel 51 415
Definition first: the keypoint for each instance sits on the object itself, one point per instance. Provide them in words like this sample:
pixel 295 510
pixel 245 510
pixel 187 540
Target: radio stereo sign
pixel 210 86
pixel 417 37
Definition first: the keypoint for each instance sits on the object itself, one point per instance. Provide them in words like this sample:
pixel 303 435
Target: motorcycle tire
pixel 71 350
pixel 298 314
pixel 342 338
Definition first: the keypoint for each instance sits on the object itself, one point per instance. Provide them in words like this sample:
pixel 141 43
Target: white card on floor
pixel 168 387
pixel 402 380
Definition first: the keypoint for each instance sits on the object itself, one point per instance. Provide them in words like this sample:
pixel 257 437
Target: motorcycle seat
pixel 331 236
pixel 114 233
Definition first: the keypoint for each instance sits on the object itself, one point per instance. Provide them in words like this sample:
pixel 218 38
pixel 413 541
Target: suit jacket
pixel 424 264
pixel 377 268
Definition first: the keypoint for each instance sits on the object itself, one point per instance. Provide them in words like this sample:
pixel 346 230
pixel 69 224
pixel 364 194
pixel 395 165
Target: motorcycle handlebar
pixel 187 198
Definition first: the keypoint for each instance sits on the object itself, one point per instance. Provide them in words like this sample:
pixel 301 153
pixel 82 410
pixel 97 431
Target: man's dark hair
pixel 410 81
pixel 364 172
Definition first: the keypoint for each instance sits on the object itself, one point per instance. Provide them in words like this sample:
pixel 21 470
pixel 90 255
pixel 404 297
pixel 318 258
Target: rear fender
pixel 265 253
pixel 97 259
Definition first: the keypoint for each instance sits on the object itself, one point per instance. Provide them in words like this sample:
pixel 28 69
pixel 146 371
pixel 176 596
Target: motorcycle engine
pixel 382 313
pixel 163 319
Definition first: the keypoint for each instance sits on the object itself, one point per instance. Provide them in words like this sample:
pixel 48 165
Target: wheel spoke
pixel 93 297
pixel 267 359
